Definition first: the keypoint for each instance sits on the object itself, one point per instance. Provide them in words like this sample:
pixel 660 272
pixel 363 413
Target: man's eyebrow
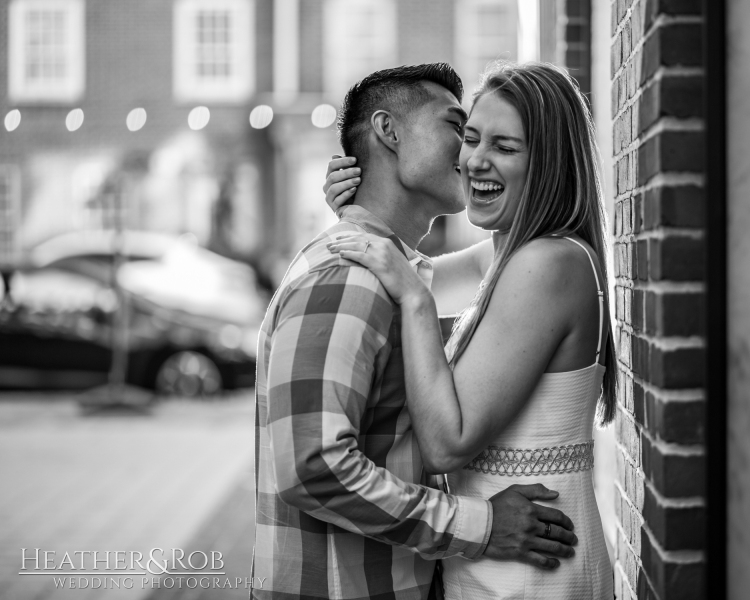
pixel 460 112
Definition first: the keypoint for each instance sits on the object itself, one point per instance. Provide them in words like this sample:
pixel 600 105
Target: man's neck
pixel 405 215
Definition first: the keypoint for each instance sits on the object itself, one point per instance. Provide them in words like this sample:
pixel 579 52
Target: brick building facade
pixel 670 229
pixel 265 184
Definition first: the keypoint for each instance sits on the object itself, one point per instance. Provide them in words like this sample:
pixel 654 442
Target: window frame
pixel 467 39
pixel 11 214
pixel 187 85
pixel 72 86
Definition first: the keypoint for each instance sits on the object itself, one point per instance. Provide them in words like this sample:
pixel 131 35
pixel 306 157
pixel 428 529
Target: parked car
pixel 186 318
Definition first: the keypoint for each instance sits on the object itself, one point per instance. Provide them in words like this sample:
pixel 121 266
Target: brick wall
pixel 658 227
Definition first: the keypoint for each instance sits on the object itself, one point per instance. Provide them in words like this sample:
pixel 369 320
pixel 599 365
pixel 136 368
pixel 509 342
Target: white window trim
pixel 186 86
pixel 336 82
pixel 72 87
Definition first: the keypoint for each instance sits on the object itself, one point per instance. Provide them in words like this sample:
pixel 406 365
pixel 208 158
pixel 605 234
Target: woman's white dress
pixel 549 442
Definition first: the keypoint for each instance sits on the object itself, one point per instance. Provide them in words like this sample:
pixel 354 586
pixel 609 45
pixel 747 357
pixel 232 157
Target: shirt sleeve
pixel 329 344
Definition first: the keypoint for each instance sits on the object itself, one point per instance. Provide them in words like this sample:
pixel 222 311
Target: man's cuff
pixel 474 526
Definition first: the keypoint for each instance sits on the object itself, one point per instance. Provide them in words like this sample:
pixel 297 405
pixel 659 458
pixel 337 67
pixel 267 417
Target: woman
pixel 517 392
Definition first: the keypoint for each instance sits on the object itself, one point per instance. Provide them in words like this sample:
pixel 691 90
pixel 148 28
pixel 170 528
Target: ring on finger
pixel 367 245
pixel 548 530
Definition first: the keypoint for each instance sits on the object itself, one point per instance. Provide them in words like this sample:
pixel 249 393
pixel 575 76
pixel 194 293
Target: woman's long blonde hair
pixel 563 190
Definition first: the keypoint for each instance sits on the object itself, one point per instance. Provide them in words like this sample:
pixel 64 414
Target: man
pixel 340 509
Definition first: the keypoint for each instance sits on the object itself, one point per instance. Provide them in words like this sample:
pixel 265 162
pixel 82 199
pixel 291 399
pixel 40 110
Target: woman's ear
pixel 384 126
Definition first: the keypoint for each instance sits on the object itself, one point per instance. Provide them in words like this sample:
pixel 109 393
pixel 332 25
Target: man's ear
pixel 384 125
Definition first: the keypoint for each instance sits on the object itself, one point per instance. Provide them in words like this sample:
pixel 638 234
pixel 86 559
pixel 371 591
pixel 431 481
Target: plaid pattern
pixel 340 512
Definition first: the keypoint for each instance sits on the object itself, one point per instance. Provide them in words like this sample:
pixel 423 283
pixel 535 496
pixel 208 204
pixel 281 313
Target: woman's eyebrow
pixel 498 138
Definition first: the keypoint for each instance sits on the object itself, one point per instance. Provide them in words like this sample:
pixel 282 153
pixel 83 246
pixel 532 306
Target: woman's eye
pixel 506 150
pixel 469 141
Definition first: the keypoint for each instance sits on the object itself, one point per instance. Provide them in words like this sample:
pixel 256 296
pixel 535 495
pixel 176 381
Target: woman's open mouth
pixel 484 192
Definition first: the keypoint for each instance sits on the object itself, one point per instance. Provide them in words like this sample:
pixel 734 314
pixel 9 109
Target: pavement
pixel 177 476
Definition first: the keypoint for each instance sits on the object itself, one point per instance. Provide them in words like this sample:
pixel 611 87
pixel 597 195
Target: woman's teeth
pixel 486 191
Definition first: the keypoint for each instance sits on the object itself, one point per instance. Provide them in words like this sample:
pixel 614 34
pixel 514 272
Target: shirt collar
pixel 358 215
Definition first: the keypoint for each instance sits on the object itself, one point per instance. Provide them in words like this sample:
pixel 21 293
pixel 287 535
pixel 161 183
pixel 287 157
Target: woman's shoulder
pixel 551 256
pixel 552 266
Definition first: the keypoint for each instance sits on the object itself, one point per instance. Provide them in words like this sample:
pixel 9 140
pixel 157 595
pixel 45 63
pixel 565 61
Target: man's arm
pixel 331 332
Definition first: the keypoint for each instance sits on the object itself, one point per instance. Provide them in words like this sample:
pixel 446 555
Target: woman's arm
pixel 456 276
pixel 457 413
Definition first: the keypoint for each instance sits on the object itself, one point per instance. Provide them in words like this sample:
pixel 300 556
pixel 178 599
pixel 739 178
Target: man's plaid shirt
pixel 339 509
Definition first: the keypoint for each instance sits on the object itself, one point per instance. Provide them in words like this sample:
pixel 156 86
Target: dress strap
pixel 599 292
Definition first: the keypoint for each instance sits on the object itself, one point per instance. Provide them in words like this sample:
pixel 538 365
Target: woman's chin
pixel 481 221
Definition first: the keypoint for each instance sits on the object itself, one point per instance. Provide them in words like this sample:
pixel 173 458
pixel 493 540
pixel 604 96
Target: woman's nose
pixel 478 160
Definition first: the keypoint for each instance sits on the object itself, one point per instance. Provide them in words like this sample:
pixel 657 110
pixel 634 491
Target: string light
pixel 198 118
pixel 136 119
pixel 13 120
pixel 323 115
pixel 74 120
pixel 261 116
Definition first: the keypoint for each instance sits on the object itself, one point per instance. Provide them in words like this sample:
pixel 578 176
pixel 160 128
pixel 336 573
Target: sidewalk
pixel 178 477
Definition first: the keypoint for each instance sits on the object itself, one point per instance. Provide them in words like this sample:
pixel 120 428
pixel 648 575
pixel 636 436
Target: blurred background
pixel 161 162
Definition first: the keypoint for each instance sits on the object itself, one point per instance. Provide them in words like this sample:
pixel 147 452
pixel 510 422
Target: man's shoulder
pixel 315 258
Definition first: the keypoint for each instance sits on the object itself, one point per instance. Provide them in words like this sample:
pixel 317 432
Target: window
pixel 10 214
pixel 486 30
pixel 360 37
pixel 213 50
pixel 46 50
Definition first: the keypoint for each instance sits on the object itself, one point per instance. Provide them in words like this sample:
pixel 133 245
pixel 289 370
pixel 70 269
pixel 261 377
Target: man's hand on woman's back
pixel 519 528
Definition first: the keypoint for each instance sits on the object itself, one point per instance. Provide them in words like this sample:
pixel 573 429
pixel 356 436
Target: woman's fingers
pixel 340 187
pixel 345 246
pixel 339 162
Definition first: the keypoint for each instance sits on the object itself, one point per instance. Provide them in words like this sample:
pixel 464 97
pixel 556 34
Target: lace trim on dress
pixel 540 461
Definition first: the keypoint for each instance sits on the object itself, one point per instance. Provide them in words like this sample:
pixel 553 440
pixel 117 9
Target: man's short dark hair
pixel 398 90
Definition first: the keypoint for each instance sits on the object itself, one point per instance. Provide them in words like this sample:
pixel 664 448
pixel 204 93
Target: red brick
pixel 615 106
pixel 672 45
pixel 674 527
pixel 671 151
pixel 626 41
pixel 637 214
pixel 642 254
pixel 674 206
pixel 638 306
pixel 672 580
pixel 675 369
pixel 676 258
pixel 618 219
pixel 616 54
pixel 641 358
pixel 675 313
pixel 682 314
pixel 673 475
pixel 654 8
pixel 671 96
pixel 644 589
pixel 679 422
